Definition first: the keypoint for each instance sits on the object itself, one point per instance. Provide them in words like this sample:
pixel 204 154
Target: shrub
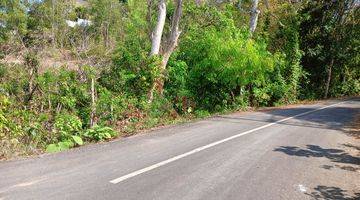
pixel 222 63
pixel 68 128
pixel 100 133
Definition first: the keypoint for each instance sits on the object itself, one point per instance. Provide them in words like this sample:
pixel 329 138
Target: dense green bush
pixel 133 71
pixel 222 62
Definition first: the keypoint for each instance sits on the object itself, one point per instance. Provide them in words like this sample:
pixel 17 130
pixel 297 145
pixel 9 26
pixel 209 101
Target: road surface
pixel 299 152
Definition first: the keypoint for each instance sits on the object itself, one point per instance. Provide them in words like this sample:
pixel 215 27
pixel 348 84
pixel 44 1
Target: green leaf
pixel 107 135
pixel 64 145
pixel 52 148
pixel 77 140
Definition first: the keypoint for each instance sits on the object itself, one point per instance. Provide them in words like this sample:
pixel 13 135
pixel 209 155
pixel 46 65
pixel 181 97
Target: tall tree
pixel 322 31
pixel 169 44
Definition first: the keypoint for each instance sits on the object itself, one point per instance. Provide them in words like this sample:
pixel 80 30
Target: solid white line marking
pixel 146 169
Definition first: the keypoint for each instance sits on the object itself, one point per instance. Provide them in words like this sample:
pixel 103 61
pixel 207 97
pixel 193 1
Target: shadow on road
pixel 336 118
pixel 334 155
pixel 353 129
pixel 344 167
pixel 352 146
pixel 332 193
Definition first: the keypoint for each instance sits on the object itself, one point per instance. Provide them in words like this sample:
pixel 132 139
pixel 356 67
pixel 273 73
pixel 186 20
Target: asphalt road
pixel 301 152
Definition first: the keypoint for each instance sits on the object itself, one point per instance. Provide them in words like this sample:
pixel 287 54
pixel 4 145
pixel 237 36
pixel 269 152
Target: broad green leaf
pixel 52 148
pixel 78 140
pixel 107 135
pixel 64 145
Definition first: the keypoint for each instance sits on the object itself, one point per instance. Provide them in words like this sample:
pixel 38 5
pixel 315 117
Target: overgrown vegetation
pixel 73 72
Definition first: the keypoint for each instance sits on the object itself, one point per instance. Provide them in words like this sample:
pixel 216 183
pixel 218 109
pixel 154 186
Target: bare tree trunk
pixel 93 106
pixel 158 31
pixel 199 2
pixel 53 23
pixel 156 38
pixel 328 78
pixel 172 41
pixel 254 14
pixel 106 34
pixel 169 47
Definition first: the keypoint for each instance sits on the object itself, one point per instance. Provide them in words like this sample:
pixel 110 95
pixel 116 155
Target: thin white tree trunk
pixel 172 41
pixel 158 31
pixel 53 23
pixel 169 47
pixel 254 14
pixel 327 86
pixel 93 103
